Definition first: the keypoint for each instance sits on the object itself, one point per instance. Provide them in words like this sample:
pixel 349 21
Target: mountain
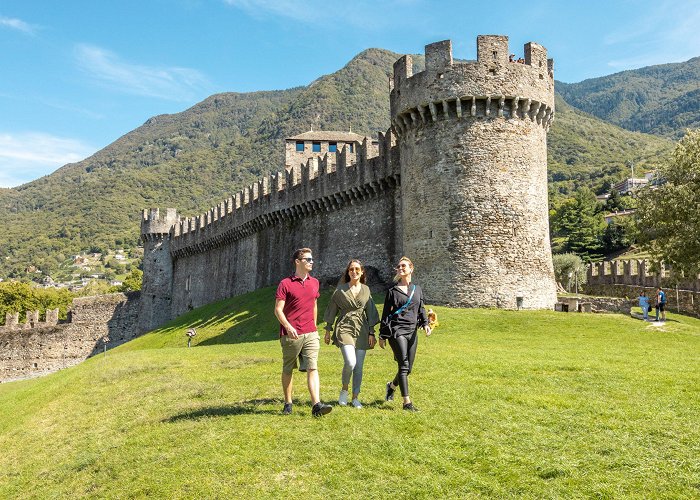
pixel 662 100
pixel 193 159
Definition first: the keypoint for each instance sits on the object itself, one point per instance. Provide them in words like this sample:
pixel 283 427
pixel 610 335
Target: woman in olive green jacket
pixel 356 314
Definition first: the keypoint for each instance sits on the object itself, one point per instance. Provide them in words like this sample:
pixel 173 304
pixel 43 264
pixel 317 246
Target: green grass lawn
pixel 513 404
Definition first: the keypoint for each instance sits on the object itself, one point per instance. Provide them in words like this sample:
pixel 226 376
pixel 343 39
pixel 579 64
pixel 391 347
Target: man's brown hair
pixel 298 253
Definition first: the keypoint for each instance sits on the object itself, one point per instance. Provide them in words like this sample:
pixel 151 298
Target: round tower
pixel 156 290
pixel 473 152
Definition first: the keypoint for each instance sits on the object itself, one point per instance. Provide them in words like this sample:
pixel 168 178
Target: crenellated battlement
pixel 155 224
pixel 490 87
pixel 12 320
pixel 321 184
pixel 636 272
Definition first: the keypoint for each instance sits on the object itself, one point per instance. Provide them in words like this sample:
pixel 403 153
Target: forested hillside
pixel 192 160
pixel 584 151
pixel 662 99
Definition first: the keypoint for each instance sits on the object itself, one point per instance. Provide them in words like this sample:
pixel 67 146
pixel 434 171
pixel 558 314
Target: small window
pixel 300 145
pixel 495 55
pixel 332 147
pixel 316 147
pixel 352 147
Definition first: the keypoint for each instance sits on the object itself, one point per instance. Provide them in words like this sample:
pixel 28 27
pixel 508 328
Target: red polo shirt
pixel 299 299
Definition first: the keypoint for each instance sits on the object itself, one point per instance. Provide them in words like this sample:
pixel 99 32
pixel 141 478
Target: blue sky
pixel 77 75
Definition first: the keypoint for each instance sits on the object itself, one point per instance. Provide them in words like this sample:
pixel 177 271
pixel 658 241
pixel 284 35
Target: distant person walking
pixel 356 314
pixel 296 309
pixel 644 304
pixel 660 304
pixel 403 313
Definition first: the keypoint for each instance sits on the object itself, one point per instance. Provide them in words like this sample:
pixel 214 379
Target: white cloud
pixel 27 156
pixel 105 67
pixel 667 33
pixel 17 24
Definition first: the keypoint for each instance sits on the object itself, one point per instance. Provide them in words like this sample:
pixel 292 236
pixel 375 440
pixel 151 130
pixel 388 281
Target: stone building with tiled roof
pixel 315 144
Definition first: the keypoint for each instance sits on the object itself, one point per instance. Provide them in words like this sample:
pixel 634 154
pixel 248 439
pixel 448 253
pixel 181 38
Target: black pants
pixel 404 347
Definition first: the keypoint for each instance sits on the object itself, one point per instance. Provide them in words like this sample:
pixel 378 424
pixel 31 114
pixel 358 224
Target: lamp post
pixel 190 333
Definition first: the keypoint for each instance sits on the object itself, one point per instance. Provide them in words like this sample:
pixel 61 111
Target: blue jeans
pixel 645 312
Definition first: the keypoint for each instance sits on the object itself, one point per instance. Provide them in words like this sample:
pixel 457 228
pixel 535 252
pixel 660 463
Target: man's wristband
pixel 372 334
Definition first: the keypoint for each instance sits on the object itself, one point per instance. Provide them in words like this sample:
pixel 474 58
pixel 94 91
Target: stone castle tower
pixel 458 184
pixel 156 290
pixel 473 155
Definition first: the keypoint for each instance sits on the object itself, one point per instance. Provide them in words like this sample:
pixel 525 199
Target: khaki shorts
pixel 305 348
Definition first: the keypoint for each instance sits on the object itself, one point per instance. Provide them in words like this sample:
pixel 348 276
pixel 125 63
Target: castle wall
pixel 365 229
pixel 627 278
pixel 345 206
pixel 49 347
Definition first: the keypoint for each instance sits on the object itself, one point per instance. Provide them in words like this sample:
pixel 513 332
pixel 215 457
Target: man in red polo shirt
pixel 295 309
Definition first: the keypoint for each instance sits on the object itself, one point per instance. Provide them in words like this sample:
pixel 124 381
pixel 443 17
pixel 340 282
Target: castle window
pixel 188 283
pixel 352 147
pixel 316 147
pixel 300 145
pixel 332 147
pixel 495 55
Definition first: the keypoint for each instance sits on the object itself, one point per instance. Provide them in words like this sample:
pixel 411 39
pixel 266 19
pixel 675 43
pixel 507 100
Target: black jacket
pixel 409 319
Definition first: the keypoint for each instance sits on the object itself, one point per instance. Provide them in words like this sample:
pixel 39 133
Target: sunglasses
pixel 401 266
pixel 310 260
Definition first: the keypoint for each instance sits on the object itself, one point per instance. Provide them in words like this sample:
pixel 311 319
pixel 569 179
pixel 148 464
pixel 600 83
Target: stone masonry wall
pixel 365 229
pixel 682 301
pixel 627 278
pixel 46 348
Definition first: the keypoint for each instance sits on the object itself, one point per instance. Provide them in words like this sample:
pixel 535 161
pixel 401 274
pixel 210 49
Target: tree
pixel 616 235
pixel 668 216
pixel 569 270
pixel 132 282
pixel 614 203
pixel 579 219
pixel 17 297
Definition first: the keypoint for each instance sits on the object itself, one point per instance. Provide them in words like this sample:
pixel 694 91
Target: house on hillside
pixel 630 185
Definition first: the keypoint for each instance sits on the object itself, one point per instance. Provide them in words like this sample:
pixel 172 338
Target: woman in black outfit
pixel 403 314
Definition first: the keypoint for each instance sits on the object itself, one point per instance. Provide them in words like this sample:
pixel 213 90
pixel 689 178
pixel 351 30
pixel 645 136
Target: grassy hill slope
pixel 513 404
pixel 661 99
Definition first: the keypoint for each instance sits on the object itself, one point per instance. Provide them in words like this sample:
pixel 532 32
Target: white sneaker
pixel 343 398
pixel 356 403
